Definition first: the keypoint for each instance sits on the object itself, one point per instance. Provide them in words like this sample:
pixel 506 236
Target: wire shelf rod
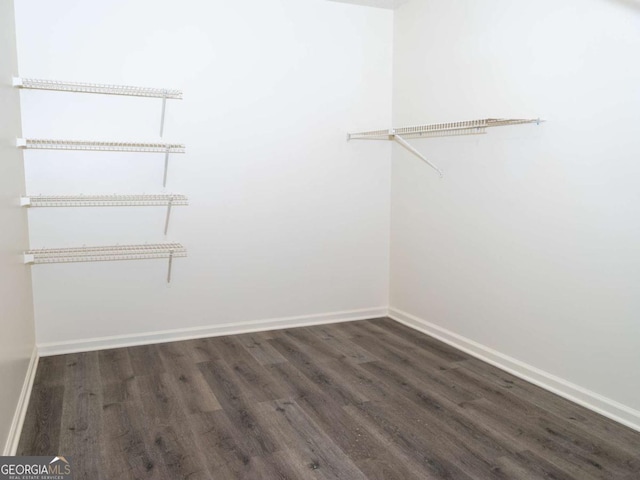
pixel 99 146
pixel 104 200
pixel 96 88
pixel 469 127
pixel 104 253
pixel 168 201
pixel 107 253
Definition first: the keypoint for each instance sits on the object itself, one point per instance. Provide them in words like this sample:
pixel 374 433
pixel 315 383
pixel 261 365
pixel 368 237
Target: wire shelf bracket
pixel 167 251
pixel 168 201
pixel 99 146
pixel 473 127
pixel 103 89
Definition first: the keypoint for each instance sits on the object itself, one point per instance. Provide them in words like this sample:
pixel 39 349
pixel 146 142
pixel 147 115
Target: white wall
pixel 286 219
pixel 17 339
pixel 530 244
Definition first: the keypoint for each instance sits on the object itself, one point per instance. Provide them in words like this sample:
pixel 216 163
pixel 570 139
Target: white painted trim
pixel 102 343
pixel 575 393
pixel 11 447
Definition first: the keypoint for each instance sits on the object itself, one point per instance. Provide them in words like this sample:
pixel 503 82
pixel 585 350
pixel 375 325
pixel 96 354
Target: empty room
pixel 320 239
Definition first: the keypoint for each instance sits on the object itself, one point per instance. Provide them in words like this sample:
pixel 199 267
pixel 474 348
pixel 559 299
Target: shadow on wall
pixel 633 4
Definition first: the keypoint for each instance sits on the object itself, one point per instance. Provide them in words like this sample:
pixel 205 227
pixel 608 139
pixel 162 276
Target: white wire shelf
pixel 97 146
pixel 104 200
pixel 48 144
pixel 107 253
pixel 104 253
pixel 168 201
pixel 470 127
pixel 96 88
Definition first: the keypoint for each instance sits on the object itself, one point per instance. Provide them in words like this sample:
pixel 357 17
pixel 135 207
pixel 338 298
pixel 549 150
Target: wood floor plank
pixel 277 466
pixel 201 350
pixel 455 391
pixel 344 346
pixel 401 355
pixel 352 329
pixel 366 399
pixel 522 433
pixel 361 378
pixel 328 415
pixel 50 371
pixel 186 379
pixel 442 413
pixel 238 408
pixel 145 360
pixel 317 451
pixel 160 398
pixel 195 394
pixel 175 357
pixel 590 422
pixel 428 448
pixel 319 375
pixel 259 348
pixel 527 466
pixel 229 348
pixel 475 450
pixel 126 445
pixel 179 452
pixel 424 356
pixel 551 427
pixel 41 429
pixel 426 343
pixel 115 366
pixel 255 381
pixel 319 350
pixel 227 452
pixel 336 330
pixel 82 414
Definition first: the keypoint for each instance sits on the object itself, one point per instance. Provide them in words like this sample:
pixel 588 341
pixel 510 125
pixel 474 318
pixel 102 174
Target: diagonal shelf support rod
pixel 166 167
pixel 409 147
pixel 166 222
pixel 164 108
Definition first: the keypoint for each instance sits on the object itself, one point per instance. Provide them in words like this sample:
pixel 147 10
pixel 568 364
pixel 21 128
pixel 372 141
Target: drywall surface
pixel 530 244
pixel 286 219
pixel 391 4
pixel 17 339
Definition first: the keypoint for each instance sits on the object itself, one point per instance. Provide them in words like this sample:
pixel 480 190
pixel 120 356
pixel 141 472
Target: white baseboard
pixel 102 343
pixel 575 393
pixel 11 446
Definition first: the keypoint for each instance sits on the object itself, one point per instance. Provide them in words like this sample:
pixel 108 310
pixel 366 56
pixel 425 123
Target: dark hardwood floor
pixel 361 400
